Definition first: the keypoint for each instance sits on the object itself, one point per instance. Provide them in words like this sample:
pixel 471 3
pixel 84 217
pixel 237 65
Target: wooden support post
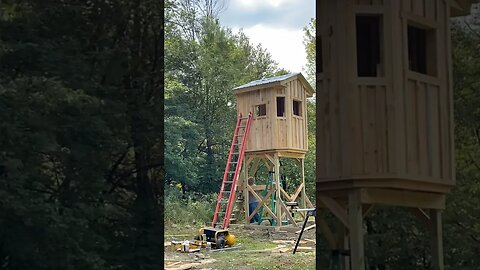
pixel 355 221
pixel 436 239
pixel 278 208
pixel 246 196
pixel 304 195
pixel 346 246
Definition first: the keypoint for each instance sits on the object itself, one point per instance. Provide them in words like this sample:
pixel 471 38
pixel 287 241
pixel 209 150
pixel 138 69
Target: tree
pixel 201 71
pixel 81 148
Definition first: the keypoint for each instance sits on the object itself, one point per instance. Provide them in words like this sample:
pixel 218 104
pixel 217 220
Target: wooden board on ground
pixel 176 266
pixel 306 228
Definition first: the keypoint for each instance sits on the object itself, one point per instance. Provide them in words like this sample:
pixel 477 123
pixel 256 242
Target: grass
pixel 252 254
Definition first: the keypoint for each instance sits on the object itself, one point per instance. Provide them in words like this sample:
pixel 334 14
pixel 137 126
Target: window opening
pixel 261 110
pixel 421 50
pixel 369 45
pixel 297 108
pixel 319 55
pixel 280 106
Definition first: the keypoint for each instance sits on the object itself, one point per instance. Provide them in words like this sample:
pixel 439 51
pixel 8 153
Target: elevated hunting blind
pixel 278 130
pixel 384 113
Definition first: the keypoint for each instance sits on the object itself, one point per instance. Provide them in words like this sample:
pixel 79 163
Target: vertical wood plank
pixel 422 131
pixel 381 129
pixel 433 130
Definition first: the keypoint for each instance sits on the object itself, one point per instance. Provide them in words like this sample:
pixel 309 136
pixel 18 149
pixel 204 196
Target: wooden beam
pixel 289 216
pixel 357 254
pixel 436 239
pixel 309 203
pixel 335 208
pixel 367 210
pixel 304 193
pixel 297 192
pixel 270 158
pixel 325 229
pixel 277 184
pixel 260 204
pixel 256 162
pixel 285 194
pixel 420 214
pixel 403 198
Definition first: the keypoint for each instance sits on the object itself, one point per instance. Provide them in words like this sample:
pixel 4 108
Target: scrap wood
pixel 190 265
pixel 305 249
pixel 172 264
pixel 306 228
pixel 226 249
pixel 309 240
pixel 282 250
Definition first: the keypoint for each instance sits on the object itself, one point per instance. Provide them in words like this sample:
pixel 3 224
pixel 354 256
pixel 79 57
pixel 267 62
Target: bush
pixel 188 209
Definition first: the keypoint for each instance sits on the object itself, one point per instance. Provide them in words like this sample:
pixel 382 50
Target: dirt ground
pixel 257 248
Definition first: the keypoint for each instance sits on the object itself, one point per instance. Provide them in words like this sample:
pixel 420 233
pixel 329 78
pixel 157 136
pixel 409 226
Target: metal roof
pixel 266 80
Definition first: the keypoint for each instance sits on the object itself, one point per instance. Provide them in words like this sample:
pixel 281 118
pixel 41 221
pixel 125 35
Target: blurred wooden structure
pixel 384 112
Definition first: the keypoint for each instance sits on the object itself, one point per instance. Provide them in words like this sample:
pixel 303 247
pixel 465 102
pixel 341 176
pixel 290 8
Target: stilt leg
pixel 278 208
pixel 437 239
pixel 355 220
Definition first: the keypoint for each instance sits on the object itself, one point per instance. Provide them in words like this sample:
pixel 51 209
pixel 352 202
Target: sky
pixel 275 24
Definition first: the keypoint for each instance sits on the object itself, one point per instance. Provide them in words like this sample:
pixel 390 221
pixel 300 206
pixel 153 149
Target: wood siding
pixel 272 133
pixel 397 126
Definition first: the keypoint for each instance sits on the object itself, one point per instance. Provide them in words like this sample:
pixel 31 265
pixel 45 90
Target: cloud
pixel 285 45
pixel 292 14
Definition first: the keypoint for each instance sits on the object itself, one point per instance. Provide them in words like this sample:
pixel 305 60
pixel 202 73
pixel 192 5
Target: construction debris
pixel 180 266
pixel 307 228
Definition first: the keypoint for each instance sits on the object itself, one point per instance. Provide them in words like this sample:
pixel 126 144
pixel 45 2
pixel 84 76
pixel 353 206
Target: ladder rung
pixel 233 162
pixel 229 182
pixel 241 126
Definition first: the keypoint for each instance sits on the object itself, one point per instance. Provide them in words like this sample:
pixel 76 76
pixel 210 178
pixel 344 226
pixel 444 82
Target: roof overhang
pixel 282 83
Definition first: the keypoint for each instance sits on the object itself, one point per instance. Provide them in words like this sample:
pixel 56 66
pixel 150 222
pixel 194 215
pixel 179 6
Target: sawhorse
pixel 310 212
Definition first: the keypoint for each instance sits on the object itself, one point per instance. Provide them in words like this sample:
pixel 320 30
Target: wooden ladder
pixel 226 197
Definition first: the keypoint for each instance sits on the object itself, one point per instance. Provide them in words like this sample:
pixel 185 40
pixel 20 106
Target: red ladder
pixel 229 184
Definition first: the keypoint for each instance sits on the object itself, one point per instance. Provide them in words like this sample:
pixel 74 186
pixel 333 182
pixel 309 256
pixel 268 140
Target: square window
pixel 422 50
pixel 369 45
pixel 297 108
pixel 261 110
pixel 281 106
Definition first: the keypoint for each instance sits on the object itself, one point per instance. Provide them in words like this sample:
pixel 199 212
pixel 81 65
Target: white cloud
pixel 285 46
pixel 256 4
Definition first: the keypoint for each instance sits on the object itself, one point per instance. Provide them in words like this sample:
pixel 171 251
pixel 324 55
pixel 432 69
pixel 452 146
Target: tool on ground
pixel 218 237
pixel 310 212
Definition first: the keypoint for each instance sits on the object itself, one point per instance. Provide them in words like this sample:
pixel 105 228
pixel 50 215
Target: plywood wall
pixel 395 126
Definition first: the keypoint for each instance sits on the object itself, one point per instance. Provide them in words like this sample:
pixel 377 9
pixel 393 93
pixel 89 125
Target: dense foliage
pixel 81 134
pixel 204 61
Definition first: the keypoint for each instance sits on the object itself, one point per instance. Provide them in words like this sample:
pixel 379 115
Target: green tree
pixel 81 147
pixel 204 62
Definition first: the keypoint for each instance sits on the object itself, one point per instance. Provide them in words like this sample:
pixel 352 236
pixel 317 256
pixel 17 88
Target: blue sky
pixel 276 24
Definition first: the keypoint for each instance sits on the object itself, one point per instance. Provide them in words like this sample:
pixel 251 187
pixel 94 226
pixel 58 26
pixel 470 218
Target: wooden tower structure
pixel 278 130
pixel 384 113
